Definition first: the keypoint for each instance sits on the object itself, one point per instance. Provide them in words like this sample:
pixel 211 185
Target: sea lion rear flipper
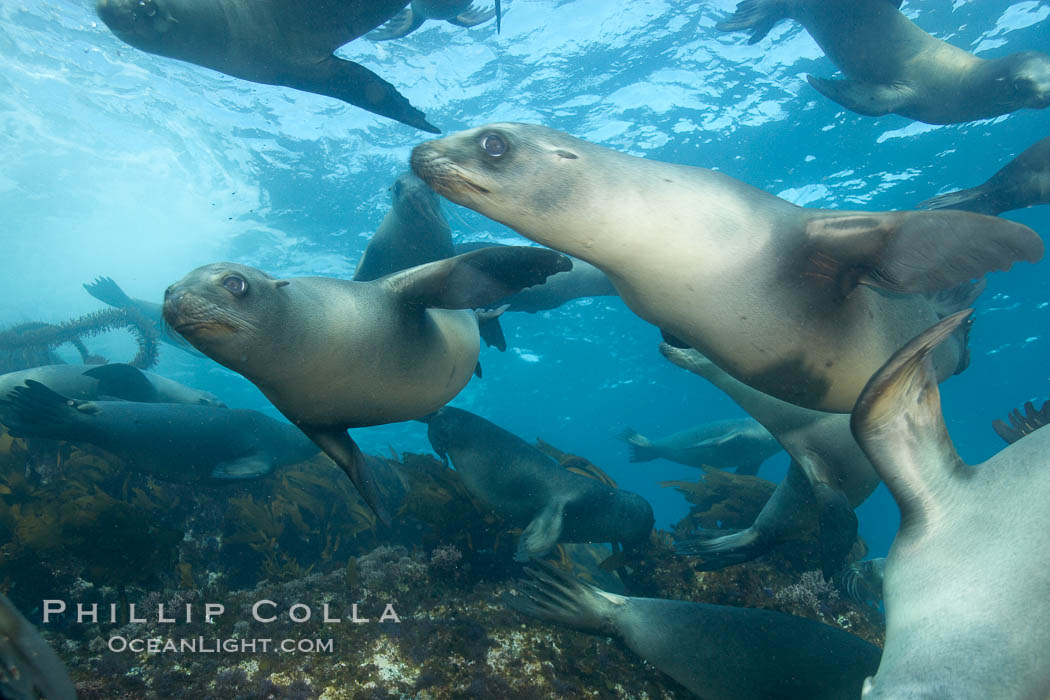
pixel 870 99
pixel 109 292
pixel 640 448
pixel 353 83
pixel 542 533
pixel 721 548
pixel 897 421
pixel 402 24
pixel 477 279
pixel 974 199
pixel 338 445
pixel 838 527
pixel 759 16
pixel 246 468
pixel 556 596
pixel 914 251
pixel 123 381
pixel 1023 424
pixel 473 17
pixel 34 410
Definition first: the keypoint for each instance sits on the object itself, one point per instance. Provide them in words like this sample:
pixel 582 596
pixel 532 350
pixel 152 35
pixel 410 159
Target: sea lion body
pixel 176 442
pixel 529 490
pixel 739 443
pixel 110 381
pixel 274 42
pixel 1023 182
pixel 781 297
pixel 717 652
pixel 966 581
pixel 31 668
pixel 893 66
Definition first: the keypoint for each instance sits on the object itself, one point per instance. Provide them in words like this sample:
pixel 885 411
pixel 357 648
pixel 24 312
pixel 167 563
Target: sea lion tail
pixel 759 16
pixel 973 199
pixel 34 410
pixel 1023 424
pixel 639 446
pixel 553 595
pixel 721 548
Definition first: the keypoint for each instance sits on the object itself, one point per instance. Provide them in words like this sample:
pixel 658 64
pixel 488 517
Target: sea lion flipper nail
pixel 338 445
pixel 869 99
pixel 542 533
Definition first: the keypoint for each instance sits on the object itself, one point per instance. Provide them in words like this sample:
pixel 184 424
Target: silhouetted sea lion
pixel 457 12
pixel 1023 182
pixel 803 304
pixel 716 651
pixel 112 381
pixel 892 66
pixel 966 579
pixel 739 443
pixel 529 490
pixel 275 42
pixel 333 354
pixel 185 443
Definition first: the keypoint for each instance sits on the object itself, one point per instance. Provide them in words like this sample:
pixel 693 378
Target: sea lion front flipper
pixel 974 199
pixel 721 548
pixel 869 99
pixel 914 251
pixel 401 24
pixel 473 17
pixel 477 279
pixel 540 536
pixel 759 16
pixel 123 381
pixel 838 527
pixel 338 445
pixel 897 421
pixel 353 83
pixel 245 468
pixel 490 328
pixel 109 292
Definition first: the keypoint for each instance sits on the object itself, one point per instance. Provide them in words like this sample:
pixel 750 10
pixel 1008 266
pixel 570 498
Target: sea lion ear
pixel 277 284
pixel 916 251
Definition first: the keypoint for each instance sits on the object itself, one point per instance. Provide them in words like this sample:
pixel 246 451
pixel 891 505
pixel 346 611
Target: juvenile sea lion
pixel 528 489
pixel 716 651
pixel 892 66
pixel 333 354
pixel 185 443
pixel 799 303
pixel 109 292
pixel 274 42
pixel 1023 182
pixel 113 381
pixel 966 579
pixel 29 668
pixel 739 443
pixel 457 12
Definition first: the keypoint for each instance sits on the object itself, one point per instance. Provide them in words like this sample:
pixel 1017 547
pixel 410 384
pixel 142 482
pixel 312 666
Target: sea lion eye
pixel 1020 85
pixel 236 285
pixel 494 145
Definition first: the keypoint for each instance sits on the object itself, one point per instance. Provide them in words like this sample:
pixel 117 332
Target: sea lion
pixel 112 381
pixel 892 66
pixel 185 443
pixel 799 303
pixel 1023 182
pixel 716 651
pixel 529 490
pixel 29 668
pixel 862 580
pixel 333 354
pixel 109 292
pixel 739 443
pixel 274 42
pixel 966 579
pixel 457 12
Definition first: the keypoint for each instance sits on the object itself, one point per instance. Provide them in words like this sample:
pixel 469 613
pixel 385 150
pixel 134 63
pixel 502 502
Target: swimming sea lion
pixel 457 12
pixel 529 490
pixel 274 42
pixel 739 443
pixel 107 291
pixel 862 580
pixel 185 443
pixel 966 579
pixel 333 354
pixel 112 381
pixel 29 668
pixel 892 66
pixel 716 651
pixel 799 303
pixel 1023 182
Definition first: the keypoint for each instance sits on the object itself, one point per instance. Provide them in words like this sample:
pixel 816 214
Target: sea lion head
pixel 225 310
pixel 517 174
pixel 415 200
pixel 1024 80
pixel 141 23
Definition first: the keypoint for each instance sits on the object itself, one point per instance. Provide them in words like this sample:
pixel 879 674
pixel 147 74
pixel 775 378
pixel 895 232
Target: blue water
pixel 115 162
